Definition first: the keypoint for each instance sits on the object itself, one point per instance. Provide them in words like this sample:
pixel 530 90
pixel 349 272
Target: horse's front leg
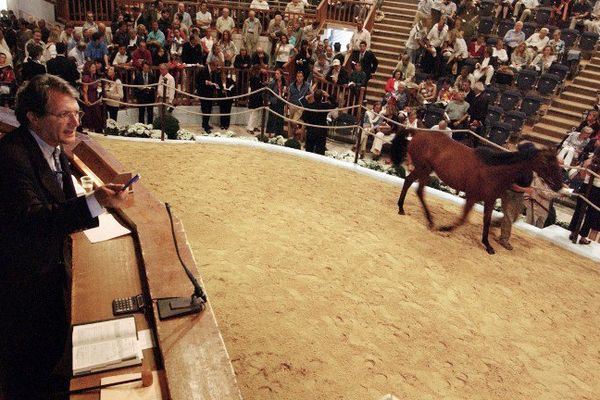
pixel 422 184
pixel 463 218
pixel 487 217
pixel 408 181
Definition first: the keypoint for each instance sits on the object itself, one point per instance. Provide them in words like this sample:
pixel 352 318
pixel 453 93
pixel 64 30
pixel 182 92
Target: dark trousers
pixel 206 108
pixel 149 110
pixel 33 333
pixel 225 108
pixel 316 140
pixel 112 112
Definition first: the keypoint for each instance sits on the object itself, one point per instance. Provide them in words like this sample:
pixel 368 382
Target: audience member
pixel 145 94
pixel 113 92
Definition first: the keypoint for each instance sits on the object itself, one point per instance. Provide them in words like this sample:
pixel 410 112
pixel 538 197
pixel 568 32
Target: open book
pixel 104 345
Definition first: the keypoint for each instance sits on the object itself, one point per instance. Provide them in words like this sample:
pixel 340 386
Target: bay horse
pixel 483 174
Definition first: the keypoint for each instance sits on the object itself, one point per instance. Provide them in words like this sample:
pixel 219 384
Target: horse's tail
pixel 399 147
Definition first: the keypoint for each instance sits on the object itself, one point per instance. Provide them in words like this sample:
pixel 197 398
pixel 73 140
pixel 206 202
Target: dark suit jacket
pixel 478 107
pixel 369 62
pixel 65 68
pixel 146 95
pixel 31 69
pixel 35 214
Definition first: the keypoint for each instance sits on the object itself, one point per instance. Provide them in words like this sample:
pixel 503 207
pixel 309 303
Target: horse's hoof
pixel 446 228
pixel 401 211
pixel 490 250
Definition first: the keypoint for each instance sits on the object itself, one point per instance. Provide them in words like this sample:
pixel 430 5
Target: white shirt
pixel 259 5
pixel 448 9
pixel 460 48
pixel 120 59
pixel 537 42
pixel 530 4
pixel 414 37
pixel 501 55
pixel 79 57
pixel 437 38
pixel 358 37
pixel 203 19
pixel 283 52
pixel 447 131
pixel 425 7
pixel 170 88
pixel 47 151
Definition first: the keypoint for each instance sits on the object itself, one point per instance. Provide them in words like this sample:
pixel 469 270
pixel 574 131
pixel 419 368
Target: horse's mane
pixel 525 151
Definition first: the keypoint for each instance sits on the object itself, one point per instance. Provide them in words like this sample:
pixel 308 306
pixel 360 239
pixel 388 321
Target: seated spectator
pixel 590 120
pixel 105 35
pixel 295 6
pixel 528 7
pixel 36 39
pixel 387 129
pixel 176 42
pixel 203 17
pixel 7 81
pixel 33 66
pixel 544 60
pixel 445 93
pixel 477 48
pixel 478 108
pixel 503 7
pixel 50 46
pixel 227 44
pixel 411 121
pixel 538 40
pixel 499 53
pixel 371 121
pixel 428 89
pixel 393 82
pixel 216 56
pixel 156 36
pixel 260 5
pixel 183 16
pixel 276 28
pixel 225 22
pixel 513 37
pixel 407 68
pixel 141 54
pixel 448 11
pixel 464 76
pixel 456 54
pixel 443 127
pixel 485 68
pixel 557 44
pixel 337 74
pixel 90 23
pixel 592 24
pixel 242 60
pixel 580 12
pixel 96 50
pixel 78 54
pixel 310 32
pixel 520 58
pixel 67 34
pixel 251 31
pixel 358 78
pixel 457 111
pixel 260 58
pixel 573 145
pixel 320 68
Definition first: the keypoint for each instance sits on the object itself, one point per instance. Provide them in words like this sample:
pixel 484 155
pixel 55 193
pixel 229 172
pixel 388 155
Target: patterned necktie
pixel 58 172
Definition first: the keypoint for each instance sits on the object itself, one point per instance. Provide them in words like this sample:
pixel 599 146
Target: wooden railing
pixel 347 11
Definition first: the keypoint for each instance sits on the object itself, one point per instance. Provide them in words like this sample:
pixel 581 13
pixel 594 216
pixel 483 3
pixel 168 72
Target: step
pixel 579 106
pixel 559 122
pixel 595 60
pixel 377 32
pixel 569 95
pixel 593 67
pixel 550 130
pixel 582 89
pixel 398 10
pixel 387 59
pixel 372 98
pixel 378 47
pixel 566 113
pixel 396 41
pixel 589 73
pixel 403 4
pixel 404 16
pixel 397 28
pixel 540 138
pixel 587 82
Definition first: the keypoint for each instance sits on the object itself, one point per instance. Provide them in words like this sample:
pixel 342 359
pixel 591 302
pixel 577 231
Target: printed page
pixel 104 331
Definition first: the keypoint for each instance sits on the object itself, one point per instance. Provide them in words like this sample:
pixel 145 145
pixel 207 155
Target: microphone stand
pixel 171 307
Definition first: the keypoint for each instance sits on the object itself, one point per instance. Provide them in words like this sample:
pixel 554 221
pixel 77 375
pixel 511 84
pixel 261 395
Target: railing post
pixel 357 147
pixel 263 119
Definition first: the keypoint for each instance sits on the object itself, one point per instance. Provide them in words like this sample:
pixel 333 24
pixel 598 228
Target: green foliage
pixel 397 170
pixel 293 143
pixel 171 125
pixel 434 182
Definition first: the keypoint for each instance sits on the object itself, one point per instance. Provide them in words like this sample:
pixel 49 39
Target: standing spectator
pixel 225 22
pixel 90 91
pixel 141 54
pixel 63 66
pixel 423 15
pixel 415 38
pixel 303 59
pixel 90 23
pixel 298 90
pixel 24 34
pixel 275 30
pixel 361 35
pixel 206 89
pixel 227 45
pixel 145 94
pixel 448 10
pixel 113 93
pixel 320 68
pixel 37 39
pixel 121 37
pixel 96 50
pixel 137 17
pixel 226 89
pixel 192 52
pixel 367 60
pixel 478 108
pixel 78 54
pixel 259 5
pixel 592 216
pixel 255 100
pixel 66 35
pixel 251 31
pixel 7 81
pixel 337 74
pixel 580 11
pixel 203 17
pixel 513 37
pixel 283 52
pixel 50 46
pixel 33 67
pixel 295 6
pixel 316 138
pixel 436 37
pixel 260 58
pixel 457 113
pixel 177 43
pixel 183 16
pixel 165 91
pixel 243 60
pixel 156 36
pixel 41 24
pixel 276 104
pixel 105 35
pixel 164 22
pixel 528 7
pixel 207 42
pixel 310 33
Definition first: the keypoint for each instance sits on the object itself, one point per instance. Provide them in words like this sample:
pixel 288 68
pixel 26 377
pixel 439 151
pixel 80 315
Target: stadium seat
pixel 510 99
pixel 530 105
pixel 526 79
pixel 491 41
pixel 542 15
pixel 486 24
pixel 433 115
pixel 545 3
pixel 529 28
pixel 588 41
pixel 515 119
pixel 499 133
pixel 504 26
pixel 494 115
pixel 491 94
pixel 547 84
pixel 486 8
pixel 569 36
pixel 559 70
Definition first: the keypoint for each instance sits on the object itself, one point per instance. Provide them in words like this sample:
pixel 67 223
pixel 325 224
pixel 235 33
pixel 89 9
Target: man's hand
pixel 111 195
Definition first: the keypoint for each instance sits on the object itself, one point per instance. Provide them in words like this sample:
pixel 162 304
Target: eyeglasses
pixel 65 115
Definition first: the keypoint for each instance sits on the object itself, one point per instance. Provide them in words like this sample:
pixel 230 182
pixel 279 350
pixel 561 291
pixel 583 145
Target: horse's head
pixel 399 146
pixel 547 167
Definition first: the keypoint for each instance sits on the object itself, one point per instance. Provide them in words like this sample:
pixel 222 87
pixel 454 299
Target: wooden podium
pixel 189 349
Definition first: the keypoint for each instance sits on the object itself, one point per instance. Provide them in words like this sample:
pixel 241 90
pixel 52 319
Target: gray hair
pixel 33 95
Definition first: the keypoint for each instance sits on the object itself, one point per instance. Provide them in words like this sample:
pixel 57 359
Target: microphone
pixel 146 378
pixel 170 307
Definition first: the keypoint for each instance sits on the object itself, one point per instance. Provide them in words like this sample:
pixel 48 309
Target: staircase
pixel 387 42
pixel 566 110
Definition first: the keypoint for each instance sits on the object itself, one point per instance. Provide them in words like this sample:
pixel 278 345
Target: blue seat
pixel 486 8
pixel 560 70
pixel 504 26
pixel 486 25
pixel 526 79
pixel 588 41
pixel 433 115
pixel 510 99
pixel 499 133
pixel 494 115
pixel 515 119
pixel 542 15
pixel 529 28
pixel 530 105
pixel 547 84
pixel 569 36
pixel 491 94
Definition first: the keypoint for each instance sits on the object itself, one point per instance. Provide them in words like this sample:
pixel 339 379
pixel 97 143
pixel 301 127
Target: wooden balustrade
pixel 348 11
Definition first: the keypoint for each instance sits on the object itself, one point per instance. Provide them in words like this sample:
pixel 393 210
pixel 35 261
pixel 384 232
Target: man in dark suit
pixel 206 80
pixel 63 66
pixel 478 108
pixel 316 138
pixel 367 59
pixel 146 95
pixel 38 211
pixel 32 67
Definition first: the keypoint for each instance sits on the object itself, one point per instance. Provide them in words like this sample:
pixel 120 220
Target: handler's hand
pixel 111 195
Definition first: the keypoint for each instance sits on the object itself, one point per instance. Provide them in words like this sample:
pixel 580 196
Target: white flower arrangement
pixel 184 134
pixel 278 140
pixel 219 134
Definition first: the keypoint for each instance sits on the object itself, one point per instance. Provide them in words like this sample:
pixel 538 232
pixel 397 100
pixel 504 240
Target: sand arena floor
pixel 323 292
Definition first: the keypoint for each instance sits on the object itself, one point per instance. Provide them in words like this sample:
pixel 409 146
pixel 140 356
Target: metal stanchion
pixel 357 148
pixel 162 110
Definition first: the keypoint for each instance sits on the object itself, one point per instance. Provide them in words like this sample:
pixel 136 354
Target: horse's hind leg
pixel 465 213
pixel 423 179
pixel 409 180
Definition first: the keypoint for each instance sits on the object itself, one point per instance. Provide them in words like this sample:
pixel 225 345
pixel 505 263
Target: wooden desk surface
pixel 190 348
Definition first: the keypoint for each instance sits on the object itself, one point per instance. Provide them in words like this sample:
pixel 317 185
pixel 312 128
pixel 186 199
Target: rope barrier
pixel 312 125
pixel 220 114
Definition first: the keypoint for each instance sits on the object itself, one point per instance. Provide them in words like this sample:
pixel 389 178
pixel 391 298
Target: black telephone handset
pixel 128 305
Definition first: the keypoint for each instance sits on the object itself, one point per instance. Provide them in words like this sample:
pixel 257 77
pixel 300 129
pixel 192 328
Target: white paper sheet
pixel 145 339
pixel 109 228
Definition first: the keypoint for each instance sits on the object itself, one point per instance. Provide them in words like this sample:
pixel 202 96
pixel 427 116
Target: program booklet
pixel 105 345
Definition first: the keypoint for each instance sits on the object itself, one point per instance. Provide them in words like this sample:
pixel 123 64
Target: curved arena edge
pixel 553 234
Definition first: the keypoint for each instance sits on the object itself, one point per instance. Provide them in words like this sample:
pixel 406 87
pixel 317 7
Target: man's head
pixel 363 46
pixel 181 8
pixel 442 124
pixel 34 50
pixel 405 60
pixel 359 25
pixel 163 69
pixel 48 105
pixel 478 88
pixel 543 32
pixel 69 28
pixel 336 64
pixel 225 12
pixel 260 50
pixel 592 116
pixel 251 14
pixel 586 132
pixel 441 23
pixel 37 36
pixel 318 95
pixel 299 77
pixel 61 48
pixel 459 97
pixel 556 35
pixel 90 17
pixel 154 26
pixel 518 26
